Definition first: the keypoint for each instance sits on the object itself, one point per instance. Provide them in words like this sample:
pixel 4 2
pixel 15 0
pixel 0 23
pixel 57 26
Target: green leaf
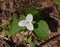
pixel 14 28
pixel 22 17
pixel 42 32
pixel 35 42
pixel 57 2
pixel 29 40
pixel 31 11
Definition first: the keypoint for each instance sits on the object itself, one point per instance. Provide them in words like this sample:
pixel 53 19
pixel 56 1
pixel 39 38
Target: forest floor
pixel 51 11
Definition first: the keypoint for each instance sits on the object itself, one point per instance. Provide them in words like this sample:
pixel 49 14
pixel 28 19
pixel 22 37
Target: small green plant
pixel 30 21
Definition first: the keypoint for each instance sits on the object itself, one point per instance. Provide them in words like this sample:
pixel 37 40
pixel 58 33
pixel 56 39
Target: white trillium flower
pixel 27 22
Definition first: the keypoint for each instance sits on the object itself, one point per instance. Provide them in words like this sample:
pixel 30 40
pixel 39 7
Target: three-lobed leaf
pixel 14 28
pixel 42 32
pixel 31 11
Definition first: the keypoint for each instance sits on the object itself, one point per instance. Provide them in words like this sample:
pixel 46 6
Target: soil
pixel 50 10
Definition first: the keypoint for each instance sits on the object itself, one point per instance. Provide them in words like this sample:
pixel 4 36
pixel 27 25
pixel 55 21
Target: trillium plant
pixel 30 20
pixel 27 22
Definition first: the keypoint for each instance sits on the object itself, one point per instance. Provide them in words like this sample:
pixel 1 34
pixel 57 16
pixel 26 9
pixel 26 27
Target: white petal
pixel 29 18
pixel 22 23
pixel 30 26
